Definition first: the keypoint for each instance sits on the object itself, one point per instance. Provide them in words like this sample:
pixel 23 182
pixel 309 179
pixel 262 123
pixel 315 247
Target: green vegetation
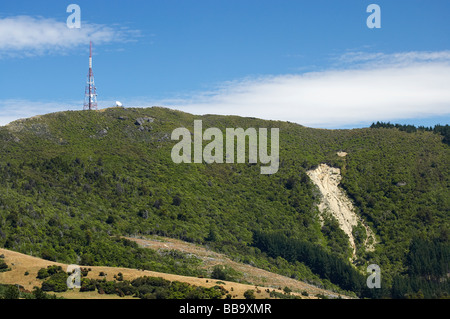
pixel 328 265
pixel 249 294
pixel 437 129
pixel 9 292
pixel 15 292
pixel 225 273
pixel 143 287
pixel 44 273
pixel 4 266
pixel 152 288
pixel 427 275
pixel 56 278
pixel 73 183
pixel 56 282
pixel 285 295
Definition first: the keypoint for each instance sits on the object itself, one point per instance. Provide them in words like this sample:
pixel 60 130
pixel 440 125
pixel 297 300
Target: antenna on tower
pixel 90 94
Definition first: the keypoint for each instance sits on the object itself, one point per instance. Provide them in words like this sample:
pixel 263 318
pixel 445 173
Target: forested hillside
pixel 73 182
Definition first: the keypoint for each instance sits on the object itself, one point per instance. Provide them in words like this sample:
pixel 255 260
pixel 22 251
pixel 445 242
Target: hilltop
pixel 74 183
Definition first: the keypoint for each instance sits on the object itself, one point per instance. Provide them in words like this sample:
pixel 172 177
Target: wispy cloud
pixel 371 87
pixel 22 36
pixel 374 87
pixel 14 109
pixel 11 110
pixel 374 59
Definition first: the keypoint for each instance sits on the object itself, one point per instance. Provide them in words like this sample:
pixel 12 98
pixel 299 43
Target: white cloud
pixel 14 109
pixel 375 59
pixel 411 85
pixel 385 87
pixel 22 36
pixel 11 110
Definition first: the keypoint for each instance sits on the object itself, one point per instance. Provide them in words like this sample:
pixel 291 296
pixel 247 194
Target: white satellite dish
pixel 118 104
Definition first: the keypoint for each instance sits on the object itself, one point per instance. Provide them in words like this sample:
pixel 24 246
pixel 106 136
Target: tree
pixel 287 290
pixel 212 236
pixel 219 273
pixel 38 293
pixel 56 283
pixel 42 273
pixel 249 294
pixel 110 220
pixel 290 183
pixel 176 200
pixel 12 292
pixel 3 266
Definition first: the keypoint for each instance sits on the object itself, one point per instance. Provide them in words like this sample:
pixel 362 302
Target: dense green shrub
pixel 152 288
pixel 68 193
pixel 438 129
pixel 427 274
pixel 49 271
pixel 56 282
pixel 280 295
pixel 88 284
pixel 38 293
pixel 16 292
pixel 249 294
pixel 3 266
pixel 224 272
pixel 328 265
pixel 11 292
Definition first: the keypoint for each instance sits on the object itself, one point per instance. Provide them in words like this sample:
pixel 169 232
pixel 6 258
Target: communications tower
pixel 90 94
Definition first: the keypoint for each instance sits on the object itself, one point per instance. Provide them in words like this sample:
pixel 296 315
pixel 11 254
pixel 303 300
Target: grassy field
pixel 21 263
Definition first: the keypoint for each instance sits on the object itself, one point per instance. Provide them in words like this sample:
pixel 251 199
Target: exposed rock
pixel 337 203
pixel 163 138
pixel 100 134
pixel 143 120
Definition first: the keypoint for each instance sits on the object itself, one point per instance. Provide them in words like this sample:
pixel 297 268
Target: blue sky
pixel 311 62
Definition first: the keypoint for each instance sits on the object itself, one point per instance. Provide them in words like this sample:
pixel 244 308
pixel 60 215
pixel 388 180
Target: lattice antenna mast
pixel 90 94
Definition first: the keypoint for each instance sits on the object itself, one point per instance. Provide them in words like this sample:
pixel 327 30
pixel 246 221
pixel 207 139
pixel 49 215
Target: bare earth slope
pixel 335 201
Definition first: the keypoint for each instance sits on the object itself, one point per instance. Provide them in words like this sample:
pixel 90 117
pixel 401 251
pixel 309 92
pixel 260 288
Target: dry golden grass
pixel 254 275
pixel 21 263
